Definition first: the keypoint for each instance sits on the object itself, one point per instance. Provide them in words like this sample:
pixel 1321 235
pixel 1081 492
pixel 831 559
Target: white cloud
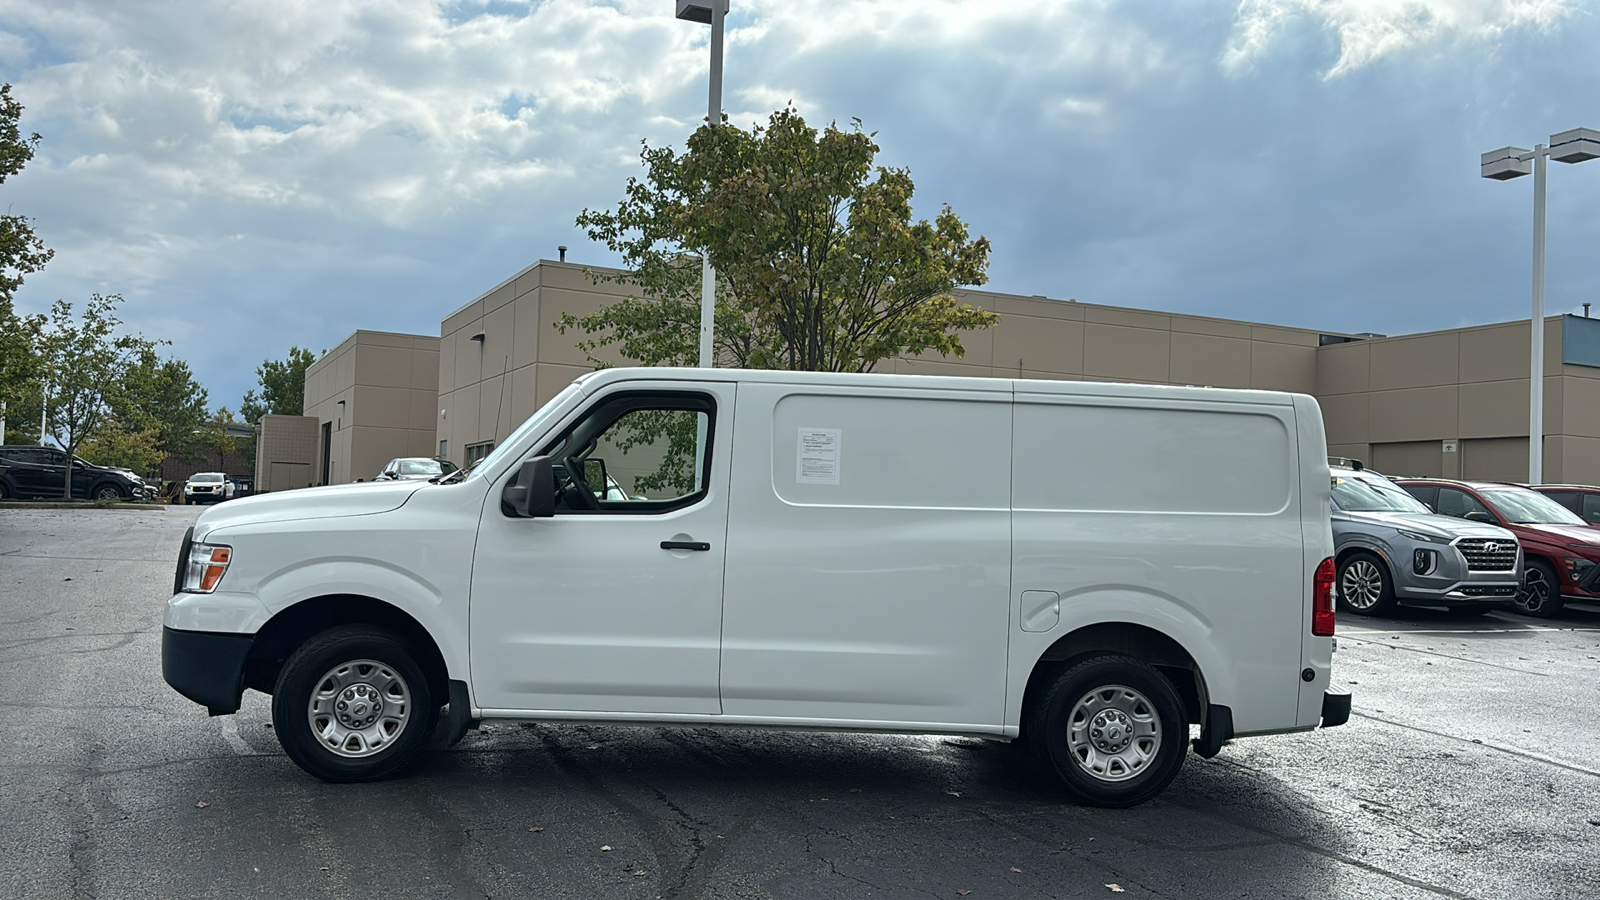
pixel 1369 30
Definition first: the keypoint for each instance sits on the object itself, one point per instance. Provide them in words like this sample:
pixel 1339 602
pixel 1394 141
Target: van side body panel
pixel 1176 509
pixel 873 586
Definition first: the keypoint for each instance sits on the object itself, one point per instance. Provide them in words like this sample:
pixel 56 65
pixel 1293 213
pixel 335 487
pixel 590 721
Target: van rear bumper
pixel 207 667
pixel 1335 708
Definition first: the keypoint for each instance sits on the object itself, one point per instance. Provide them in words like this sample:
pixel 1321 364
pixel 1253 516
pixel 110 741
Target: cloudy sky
pixel 253 175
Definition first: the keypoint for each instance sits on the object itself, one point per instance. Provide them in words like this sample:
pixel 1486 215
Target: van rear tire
pixel 352 704
pixel 1112 729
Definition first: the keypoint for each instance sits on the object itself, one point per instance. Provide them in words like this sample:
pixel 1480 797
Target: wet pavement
pixel 1471 768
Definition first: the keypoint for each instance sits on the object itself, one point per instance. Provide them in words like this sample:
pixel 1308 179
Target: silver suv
pixel 1390 549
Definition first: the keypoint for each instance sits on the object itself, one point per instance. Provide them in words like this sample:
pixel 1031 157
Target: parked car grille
pixel 1490 591
pixel 1484 555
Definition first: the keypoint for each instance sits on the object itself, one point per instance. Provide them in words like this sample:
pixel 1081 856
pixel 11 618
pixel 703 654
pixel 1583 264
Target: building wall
pixel 1037 338
pixel 1451 403
pixel 488 387
pixel 379 390
pixel 1467 388
pixel 286 452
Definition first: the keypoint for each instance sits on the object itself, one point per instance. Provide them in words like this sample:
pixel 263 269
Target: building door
pixel 327 450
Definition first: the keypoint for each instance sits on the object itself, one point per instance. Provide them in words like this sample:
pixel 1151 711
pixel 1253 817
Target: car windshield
pixel 1361 495
pixel 421 467
pixel 1526 507
pixel 207 478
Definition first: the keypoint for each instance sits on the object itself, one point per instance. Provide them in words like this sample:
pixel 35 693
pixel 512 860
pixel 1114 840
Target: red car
pixel 1561 553
pixel 1582 499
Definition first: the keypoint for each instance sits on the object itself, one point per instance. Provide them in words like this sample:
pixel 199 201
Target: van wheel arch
pixel 1141 642
pixel 277 640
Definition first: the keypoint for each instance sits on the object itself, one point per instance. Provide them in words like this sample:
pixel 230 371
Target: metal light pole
pixel 1573 146
pixel 708 12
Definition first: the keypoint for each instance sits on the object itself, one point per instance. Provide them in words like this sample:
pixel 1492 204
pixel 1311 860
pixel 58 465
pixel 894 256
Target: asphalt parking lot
pixel 1471 768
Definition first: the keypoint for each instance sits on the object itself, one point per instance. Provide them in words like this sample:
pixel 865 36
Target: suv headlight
pixel 205 567
pixel 1419 536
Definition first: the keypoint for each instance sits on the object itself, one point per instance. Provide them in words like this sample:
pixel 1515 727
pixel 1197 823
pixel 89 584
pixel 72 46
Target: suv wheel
pixel 1112 729
pixel 107 491
pixel 1364 586
pixel 1540 594
pixel 352 704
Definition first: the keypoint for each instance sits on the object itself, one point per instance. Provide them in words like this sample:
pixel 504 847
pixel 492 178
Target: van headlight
pixel 205 567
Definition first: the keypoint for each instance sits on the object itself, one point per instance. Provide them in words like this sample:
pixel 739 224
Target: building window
pixel 444 449
pixel 478 451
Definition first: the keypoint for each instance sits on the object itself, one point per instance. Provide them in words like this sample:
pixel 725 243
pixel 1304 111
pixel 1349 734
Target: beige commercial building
pixel 1451 403
pixel 375 397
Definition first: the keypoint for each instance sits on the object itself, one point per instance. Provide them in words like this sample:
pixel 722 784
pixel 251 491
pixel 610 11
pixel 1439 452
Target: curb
pixel 86 504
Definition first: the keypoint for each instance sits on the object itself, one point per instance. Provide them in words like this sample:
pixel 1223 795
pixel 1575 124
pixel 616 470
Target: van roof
pixel 602 377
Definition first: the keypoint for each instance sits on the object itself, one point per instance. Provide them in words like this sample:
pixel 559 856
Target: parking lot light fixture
pixel 708 12
pixel 1504 164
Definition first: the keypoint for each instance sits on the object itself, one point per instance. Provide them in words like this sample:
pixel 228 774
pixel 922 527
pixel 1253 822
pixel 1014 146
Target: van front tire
pixel 1112 729
pixel 352 704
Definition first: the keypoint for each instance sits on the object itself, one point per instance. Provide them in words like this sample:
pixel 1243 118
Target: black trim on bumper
pixel 206 667
pixel 1335 708
pixel 1216 731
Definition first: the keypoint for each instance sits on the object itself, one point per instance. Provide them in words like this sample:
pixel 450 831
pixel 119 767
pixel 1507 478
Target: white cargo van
pixel 1090 567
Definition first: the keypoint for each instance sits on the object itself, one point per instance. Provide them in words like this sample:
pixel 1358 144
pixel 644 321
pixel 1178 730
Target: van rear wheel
pixel 352 704
pixel 1112 729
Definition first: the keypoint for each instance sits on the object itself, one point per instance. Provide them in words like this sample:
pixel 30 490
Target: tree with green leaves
pixel 215 438
pixel 820 265
pixel 159 400
pixel 85 359
pixel 21 253
pixel 283 387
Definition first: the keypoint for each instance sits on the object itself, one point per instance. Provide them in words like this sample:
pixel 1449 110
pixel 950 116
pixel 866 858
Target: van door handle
pixel 685 545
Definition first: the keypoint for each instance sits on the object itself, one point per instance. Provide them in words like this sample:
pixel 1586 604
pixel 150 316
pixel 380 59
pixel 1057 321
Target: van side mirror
pixel 1479 515
pixel 532 493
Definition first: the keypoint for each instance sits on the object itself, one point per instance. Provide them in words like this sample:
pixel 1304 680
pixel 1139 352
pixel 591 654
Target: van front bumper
pixel 207 667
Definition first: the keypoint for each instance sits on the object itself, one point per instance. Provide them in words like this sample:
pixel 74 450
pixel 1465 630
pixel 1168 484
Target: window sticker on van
pixel 816 458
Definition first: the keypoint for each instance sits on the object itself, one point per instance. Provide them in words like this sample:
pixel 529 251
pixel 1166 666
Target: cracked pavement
pixel 1470 769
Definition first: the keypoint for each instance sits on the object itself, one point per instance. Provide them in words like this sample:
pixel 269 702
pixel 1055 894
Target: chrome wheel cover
pixel 1535 590
pixel 1114 733
pixel 358 708
pixel 1361 585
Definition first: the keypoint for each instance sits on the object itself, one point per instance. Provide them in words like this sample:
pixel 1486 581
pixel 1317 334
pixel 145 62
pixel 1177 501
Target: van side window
pixel 635 453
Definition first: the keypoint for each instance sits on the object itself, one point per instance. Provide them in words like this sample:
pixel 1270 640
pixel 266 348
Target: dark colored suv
pixel 1582 499
pixel 37 472
pixel 1561 553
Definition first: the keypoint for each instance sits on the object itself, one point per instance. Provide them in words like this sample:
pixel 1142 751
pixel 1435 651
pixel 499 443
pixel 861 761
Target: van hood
pixel 332 501
pixel 1446 528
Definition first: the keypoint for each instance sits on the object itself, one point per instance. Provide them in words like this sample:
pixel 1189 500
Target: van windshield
pixel 1360 495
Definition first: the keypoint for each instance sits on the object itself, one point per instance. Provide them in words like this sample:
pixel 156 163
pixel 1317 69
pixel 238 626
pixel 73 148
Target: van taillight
pixel 1322 599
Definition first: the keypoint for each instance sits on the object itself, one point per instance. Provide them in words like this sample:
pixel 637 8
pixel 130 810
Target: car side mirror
pixel 1479 515
pixel 532 493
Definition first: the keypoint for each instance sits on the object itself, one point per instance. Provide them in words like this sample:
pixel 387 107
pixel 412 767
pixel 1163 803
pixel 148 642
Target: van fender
pixel 1130 605
pixel 407 591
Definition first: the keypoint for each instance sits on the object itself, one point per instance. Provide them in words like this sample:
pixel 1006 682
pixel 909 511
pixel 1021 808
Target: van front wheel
pixel 353 705
pixel 1112 729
